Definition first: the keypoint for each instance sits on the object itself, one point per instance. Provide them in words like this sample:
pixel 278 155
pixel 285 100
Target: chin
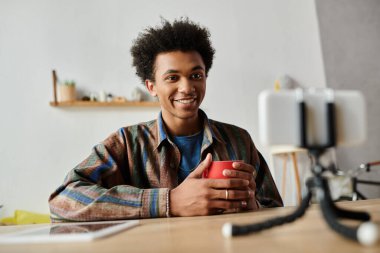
pixel 186 114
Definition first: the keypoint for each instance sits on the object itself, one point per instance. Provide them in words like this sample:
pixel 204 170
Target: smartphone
pixel 280 117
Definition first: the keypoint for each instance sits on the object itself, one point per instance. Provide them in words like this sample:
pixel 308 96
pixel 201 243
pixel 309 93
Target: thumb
pixel 197 173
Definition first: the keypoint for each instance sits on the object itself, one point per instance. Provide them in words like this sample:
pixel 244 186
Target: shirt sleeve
pixel 98 189
pixel 267 194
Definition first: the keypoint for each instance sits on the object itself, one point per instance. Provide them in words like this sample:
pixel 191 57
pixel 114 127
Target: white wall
pixel 89 41
pixel 350 39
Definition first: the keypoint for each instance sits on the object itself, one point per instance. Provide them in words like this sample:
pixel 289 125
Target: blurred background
pixel 318 43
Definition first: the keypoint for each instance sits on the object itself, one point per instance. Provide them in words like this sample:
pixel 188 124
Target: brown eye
pixel 171 78
pixel 197 76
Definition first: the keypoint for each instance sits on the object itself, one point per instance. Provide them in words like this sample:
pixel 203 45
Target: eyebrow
pixel 171 71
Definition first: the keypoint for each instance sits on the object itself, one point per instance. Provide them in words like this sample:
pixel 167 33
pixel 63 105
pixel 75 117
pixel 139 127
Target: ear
pixel 151 87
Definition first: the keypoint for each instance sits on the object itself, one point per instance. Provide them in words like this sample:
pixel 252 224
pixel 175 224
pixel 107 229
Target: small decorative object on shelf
pixel 67 98
pixel 119 100
pixel 66 91
pixel 102 96
pixel 137 94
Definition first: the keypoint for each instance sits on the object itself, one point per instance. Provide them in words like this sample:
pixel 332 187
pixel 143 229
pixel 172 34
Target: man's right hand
pixel 200 196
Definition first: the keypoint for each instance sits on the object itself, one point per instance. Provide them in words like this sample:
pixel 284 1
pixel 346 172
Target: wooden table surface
pixel 203 234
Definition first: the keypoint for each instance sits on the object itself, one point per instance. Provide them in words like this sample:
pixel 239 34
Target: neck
pixel 182 127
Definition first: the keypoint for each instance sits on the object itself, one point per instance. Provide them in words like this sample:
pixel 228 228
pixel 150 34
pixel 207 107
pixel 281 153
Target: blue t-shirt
pixel 190 149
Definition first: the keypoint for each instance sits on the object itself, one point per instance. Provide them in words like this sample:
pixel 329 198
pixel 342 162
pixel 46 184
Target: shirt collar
pixel 162 135
pixel 208 133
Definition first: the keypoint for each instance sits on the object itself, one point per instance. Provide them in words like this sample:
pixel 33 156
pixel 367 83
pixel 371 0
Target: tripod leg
pixel 231 230
pixel 340 212
pixel 331 217
pixel 366 233
pixel 361 196
pixel 348 214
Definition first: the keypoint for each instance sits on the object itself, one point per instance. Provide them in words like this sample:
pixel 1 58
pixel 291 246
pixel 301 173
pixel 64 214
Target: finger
pixel 238 174
pixel 253 204
pixel 227 205
pixel 216 211
pixel 228 194
pixel 197 173
pixel 244 167
pixel 233 183
pixel 252 184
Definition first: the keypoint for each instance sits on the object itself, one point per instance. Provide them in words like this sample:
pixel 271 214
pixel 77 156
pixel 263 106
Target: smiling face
pixel 180 85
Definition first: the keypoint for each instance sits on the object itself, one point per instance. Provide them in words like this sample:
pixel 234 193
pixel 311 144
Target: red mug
pixel 216 168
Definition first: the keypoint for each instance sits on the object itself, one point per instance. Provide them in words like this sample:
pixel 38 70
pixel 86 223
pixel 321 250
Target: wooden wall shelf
pixel 80 103
pixel 105 104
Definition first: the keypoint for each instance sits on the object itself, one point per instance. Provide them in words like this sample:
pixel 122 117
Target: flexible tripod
pixel 366 233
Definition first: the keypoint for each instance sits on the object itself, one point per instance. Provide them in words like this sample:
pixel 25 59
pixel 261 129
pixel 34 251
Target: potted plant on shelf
pixel 66 91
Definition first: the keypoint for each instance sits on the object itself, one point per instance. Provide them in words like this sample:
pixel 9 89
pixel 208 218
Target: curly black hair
pixel 182 35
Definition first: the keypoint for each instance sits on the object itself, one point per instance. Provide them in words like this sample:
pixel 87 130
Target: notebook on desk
pixel 68 232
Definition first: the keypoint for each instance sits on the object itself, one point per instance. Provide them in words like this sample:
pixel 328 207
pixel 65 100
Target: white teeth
pixel 185 101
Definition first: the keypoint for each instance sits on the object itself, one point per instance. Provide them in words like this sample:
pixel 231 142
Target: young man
pixel 154 169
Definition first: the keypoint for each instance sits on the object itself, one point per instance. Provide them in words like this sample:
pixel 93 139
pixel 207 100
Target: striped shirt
pixel 127 176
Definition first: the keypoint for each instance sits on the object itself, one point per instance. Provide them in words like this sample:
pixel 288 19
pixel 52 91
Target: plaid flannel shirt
pixel 127 176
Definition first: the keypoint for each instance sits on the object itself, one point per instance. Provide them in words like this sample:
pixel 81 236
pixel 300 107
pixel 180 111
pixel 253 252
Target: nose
pixel 186 86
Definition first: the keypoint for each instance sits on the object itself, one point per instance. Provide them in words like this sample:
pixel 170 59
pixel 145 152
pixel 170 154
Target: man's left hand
pixel 245 171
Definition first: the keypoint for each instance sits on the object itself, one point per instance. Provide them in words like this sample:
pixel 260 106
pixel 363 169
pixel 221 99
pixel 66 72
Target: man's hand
pixel 199 196
pixel 245 171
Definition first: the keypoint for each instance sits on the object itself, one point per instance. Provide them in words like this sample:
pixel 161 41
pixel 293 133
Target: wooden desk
pixel 203 234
